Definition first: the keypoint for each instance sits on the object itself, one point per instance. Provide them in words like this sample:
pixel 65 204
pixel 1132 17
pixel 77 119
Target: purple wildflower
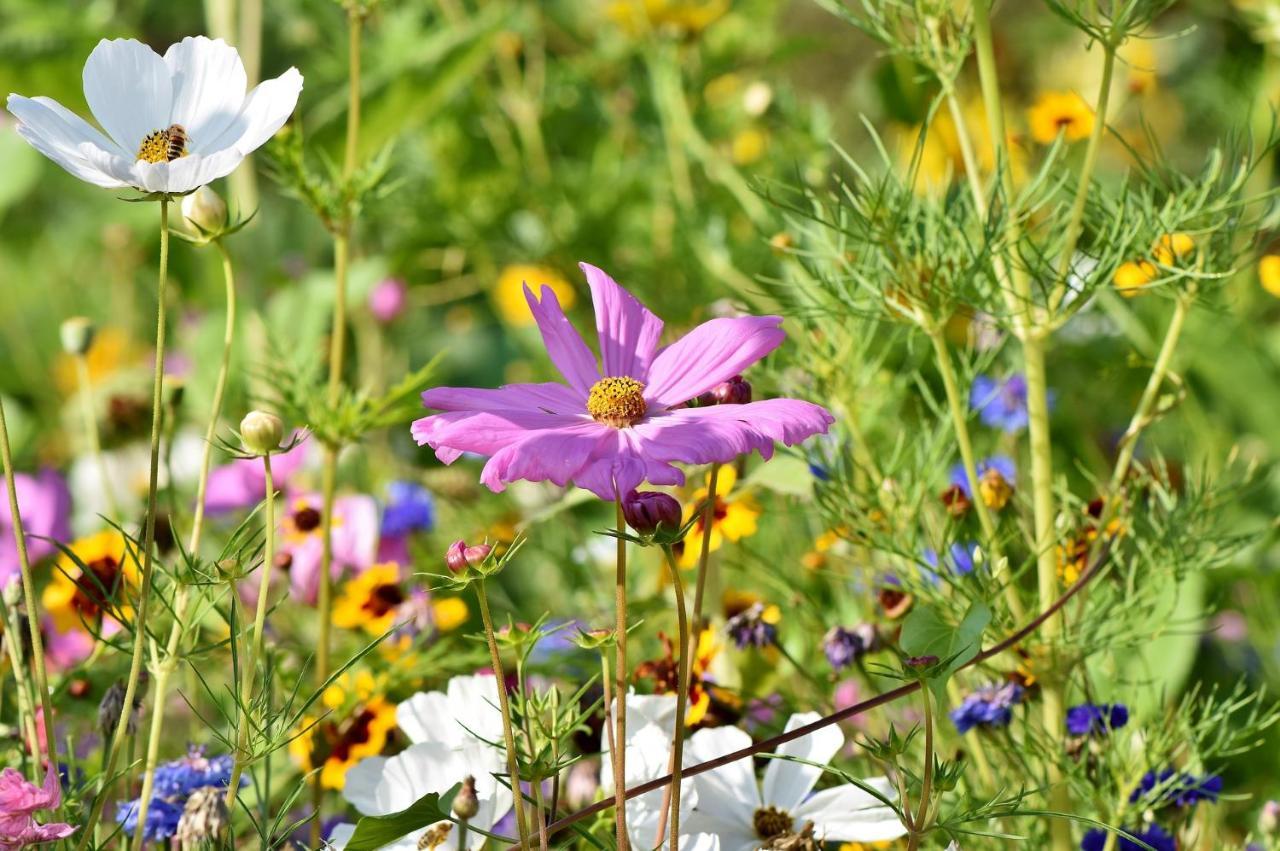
pixel 1169 788
pixel 623 419
pixel 989 706
pixel 1002 464
pixel 1153 835
pixel 1096 719
pixel 959 561
pixel 755 627
pixel 844 646
pixel 1001 404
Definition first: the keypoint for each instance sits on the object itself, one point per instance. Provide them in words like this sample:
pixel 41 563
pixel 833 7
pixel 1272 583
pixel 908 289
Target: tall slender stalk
pixel 620 683
pixel 337 355
pixel 148 547
pixel 21 679
pixel 248 672
pixel 704 556
pixel 920 824
pixel 676 760
pixel 504 704
pixel 168 664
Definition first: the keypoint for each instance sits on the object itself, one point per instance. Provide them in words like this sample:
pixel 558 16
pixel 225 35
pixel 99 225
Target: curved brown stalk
pixel 769 745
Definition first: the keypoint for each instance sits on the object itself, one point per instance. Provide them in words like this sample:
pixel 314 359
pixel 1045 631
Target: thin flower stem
pixel 21 681
pixel 542 816
pixel 148 547
pixel 772 744
pixel 504 704
pixel 921 822
pixel 960 424
pixel 255 649
pixel 167 665
pixel 704 557
pixel 620 682
pixel 607 685
pixel 85 381
pixel 676 760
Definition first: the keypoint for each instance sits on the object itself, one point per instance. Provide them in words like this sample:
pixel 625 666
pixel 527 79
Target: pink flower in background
pixel 19 800
pixel 45 506
pixel 242 483
pixel 387 299
pixel 623 420
pixel 301 545
pixel 65 650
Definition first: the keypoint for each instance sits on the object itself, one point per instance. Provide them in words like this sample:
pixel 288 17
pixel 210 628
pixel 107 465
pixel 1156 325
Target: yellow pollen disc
pixel 163 145
pixel 618 402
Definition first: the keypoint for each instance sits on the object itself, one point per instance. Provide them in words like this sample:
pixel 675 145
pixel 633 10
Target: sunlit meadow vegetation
pixel 703 424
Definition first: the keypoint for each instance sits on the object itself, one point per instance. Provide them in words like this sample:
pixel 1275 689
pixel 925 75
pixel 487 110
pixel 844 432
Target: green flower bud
pixel 261 432
pixel 205 212
pixel 77 335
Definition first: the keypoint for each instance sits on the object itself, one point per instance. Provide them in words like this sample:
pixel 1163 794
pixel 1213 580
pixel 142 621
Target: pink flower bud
pixel 387 299
pixel 459 556
pixel 645 511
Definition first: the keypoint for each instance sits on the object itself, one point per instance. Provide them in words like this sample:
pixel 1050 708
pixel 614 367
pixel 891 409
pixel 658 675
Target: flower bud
pixel 261 432
pixel 465 803
pixel 459 556
pixel 205 210
pixel 735 391
pixel 77 335
pixel 204 818
pixel 648 510
pixel 387 299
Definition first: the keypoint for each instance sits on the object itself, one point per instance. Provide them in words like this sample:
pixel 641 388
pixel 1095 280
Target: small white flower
pixel 173 123
pixel 745 815
pixel 450 731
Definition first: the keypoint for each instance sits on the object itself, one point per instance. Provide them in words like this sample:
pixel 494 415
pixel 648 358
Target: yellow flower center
pixel 618 402
pixel 164 145
pixel 770 822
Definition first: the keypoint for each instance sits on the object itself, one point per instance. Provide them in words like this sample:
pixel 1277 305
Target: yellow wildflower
pixel 1060 112
pixel 733 517
pixel 1269 273
pixel 508 293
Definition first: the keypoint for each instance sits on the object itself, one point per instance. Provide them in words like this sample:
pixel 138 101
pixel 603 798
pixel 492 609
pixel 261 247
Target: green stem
pixel 620 683
pixel 255 649
pixel 167 665
pixel 676 760
pixel 22 683
pixel 508 730
pixel 704 557
pixel 148 546
pixel 920 824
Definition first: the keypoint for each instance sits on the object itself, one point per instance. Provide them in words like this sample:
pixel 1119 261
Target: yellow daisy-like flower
pixel 72 597
pixel 685 16
pixel 370 600
pixel 1060 112
pixel 734 517
pixel 362 686
pixel 341 745
pixel 508 293
pixel 1269 273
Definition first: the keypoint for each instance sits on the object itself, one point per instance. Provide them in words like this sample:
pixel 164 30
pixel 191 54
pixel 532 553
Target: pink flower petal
pixel 621 463
pixel 713 352
pixel 720 433
pixel 564 344
pixel 550 397
pixel 455 432
pixel 554 455
pixel 628 331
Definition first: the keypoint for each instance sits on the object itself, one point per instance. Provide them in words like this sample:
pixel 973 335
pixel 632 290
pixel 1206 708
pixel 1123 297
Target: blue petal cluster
pixel 959 560
pixel 844 646
pixel 990 706
pixel 174 783
pixel 1169 788
pixel 410 508
pixel 1096 719
pixel 1002 464
pixel 750 629
pixel 1001 404
pixel 1154 835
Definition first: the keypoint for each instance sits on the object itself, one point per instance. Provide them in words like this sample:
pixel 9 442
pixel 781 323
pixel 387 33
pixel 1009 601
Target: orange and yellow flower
pixel 370 600
pixel 1060 112
pixel 733 517
pixel 339 746
pixel 74 599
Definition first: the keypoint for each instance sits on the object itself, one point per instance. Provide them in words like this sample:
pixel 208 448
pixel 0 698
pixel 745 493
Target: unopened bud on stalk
pixel 206 210
pixel 646 511
pixel 77 335
pixel 735 391
pixel 466 804
pixel 112 705
pixel 261 432
pixel 459 556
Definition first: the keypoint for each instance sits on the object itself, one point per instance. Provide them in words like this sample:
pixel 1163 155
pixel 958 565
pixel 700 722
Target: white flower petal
pixel 59 133
pixel 848 814
pixel 361 784
pixel 265 111
pixel 475 706
pixel 425 716
pixel 209 84
pixel 786 783
pixel 417 771
pixel 341 835
pixel 128 89
pixel 729 791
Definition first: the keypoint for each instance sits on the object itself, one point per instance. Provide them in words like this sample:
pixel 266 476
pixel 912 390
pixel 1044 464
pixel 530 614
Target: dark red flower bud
pixel 735 391
pixel 646 511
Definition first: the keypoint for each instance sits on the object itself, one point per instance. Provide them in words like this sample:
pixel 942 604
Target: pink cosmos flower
pixel 45 506
pixel 18 801
pixel 301 541
pixel 622 420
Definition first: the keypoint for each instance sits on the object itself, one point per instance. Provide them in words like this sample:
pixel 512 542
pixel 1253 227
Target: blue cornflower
pixel 1153 834
pixel 1096 719
pixel 755 627
pixel 1177 789
pixel 174 783
pixel 989 706
pixel 162 818
pixel 960 559
pixel 1002 464
pixel 1001 404
pixel 410 508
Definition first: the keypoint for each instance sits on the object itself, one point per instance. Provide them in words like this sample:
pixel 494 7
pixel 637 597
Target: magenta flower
pixel 301 542
pixel 18 802
pixel 387 299
pixel 624 420
pixel 45 506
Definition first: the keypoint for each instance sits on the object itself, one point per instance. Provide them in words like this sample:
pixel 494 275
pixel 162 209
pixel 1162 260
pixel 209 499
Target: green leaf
pixel 373 832
pixel 925 633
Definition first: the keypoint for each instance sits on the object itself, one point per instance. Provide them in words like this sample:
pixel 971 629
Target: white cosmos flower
pixel 450 731
pixel 745 815
pixel 173 123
